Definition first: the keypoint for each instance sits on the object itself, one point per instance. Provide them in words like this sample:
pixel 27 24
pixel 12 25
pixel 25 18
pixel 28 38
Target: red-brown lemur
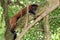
pixel 13 20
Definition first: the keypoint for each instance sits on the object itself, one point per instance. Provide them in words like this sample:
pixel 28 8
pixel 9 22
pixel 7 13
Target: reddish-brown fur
pixel 14 19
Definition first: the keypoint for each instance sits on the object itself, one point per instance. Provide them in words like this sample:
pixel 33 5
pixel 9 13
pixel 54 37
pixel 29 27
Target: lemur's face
pixel 34 7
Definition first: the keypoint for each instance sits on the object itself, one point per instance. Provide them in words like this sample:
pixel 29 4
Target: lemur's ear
pixel 34 5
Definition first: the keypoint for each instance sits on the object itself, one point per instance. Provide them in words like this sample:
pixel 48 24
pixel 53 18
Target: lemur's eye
pixel 34 8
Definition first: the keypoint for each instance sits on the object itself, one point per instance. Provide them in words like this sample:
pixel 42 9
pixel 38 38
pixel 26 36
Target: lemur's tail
pixel 15 34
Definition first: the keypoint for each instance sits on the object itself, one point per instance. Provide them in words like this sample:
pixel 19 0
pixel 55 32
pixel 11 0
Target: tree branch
pixel 48 10
pixel 46 28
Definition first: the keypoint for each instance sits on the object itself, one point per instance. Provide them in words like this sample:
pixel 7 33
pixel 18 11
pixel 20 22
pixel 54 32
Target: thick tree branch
pixel 52 6
pixel 41 8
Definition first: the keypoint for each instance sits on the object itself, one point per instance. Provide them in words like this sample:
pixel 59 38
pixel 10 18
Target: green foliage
pixel 2 24
pixel 55 24
pixel 13 10
pixel 33 33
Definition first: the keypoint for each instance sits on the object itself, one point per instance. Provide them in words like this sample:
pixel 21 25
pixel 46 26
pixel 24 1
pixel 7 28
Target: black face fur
pixel 33 9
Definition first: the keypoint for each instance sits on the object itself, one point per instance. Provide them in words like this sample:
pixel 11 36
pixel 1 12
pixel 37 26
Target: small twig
pixel 27 15
pixel 46 28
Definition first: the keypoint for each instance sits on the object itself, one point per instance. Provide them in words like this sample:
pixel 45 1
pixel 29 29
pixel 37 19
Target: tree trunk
pixel 8 34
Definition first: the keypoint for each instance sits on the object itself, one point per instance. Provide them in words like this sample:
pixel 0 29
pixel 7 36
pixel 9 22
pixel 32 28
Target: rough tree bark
pixel 8 35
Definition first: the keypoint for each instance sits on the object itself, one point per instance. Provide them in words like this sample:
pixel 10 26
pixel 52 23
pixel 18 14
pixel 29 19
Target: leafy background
pixel 33 33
